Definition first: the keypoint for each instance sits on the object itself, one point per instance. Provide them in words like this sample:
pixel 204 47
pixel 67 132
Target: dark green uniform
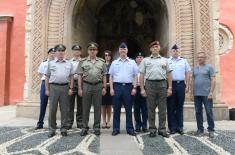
pixel 155 71
pixel 92 77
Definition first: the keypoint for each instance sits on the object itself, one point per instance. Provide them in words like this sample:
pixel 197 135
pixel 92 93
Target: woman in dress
pixel 107 99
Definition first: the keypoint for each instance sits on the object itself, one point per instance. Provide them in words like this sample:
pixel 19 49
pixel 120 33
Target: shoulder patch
pixel 83 59
pixel 100 59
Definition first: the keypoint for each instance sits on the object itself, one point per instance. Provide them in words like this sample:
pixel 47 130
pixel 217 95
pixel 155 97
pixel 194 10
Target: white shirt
pixel 75 63
pixel 43 68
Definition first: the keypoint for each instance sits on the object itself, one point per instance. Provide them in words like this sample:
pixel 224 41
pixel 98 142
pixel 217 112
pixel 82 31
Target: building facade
pixel 195 25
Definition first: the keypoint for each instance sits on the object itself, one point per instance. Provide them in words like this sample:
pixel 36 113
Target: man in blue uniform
pixel 140 104
pixel 180 83
pixel 43 97
pixel 123 73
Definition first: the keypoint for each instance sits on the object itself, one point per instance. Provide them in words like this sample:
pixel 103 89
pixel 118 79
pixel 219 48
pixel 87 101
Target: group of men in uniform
pixel 150 82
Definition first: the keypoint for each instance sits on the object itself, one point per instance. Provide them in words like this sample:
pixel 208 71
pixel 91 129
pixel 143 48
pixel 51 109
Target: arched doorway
pixel 110 22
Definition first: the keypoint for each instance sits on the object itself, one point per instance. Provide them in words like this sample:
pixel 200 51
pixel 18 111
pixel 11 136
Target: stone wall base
pixel 31 110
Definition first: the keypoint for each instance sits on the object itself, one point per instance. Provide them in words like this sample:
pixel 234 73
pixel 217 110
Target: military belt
pixel 178 81
pixel 59 84
pixel 92 83
pixel 123 84
pixel 156 80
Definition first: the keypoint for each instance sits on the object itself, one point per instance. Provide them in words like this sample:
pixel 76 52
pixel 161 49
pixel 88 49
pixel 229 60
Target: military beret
pixel 92 45
pixel 51 50
pixel 60 47
pixel 175 47
pixel 76 47
pixel 154 43
pixel 139 54
pixel 123 45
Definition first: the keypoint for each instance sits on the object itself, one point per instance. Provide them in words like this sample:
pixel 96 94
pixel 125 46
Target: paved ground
pixel 17 136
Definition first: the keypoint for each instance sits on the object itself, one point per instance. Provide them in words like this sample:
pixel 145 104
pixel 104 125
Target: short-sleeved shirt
pixel 59 71
pixel 202 79
pixel 155 68
pixel 92 72
pixel 43 68
pixel 75 63
pixel 123 70
pixel 179 67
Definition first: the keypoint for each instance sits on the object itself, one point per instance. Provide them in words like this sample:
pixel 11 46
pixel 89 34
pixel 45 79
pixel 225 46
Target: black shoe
pixel 97 132
pixel 131 133
pixel 38 127
pixel 79 126
pixel 68 127
pixel 172 132
pixel 145 130
pixel 198 133
pixel 164 134
pixel 64 133
pixel 180 131
pixel 137 130
pixel 51 134
pixel 211 134
pixel 152 134
pixel 115 133
pixel 83 132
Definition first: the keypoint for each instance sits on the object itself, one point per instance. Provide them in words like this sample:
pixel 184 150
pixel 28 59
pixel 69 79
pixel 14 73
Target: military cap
pixel 175 47
pixel 76 47
pixel 92 45
pixel 51 50
pixel 60 47
pixel 139 54
pixel 154 43
pixel 123 45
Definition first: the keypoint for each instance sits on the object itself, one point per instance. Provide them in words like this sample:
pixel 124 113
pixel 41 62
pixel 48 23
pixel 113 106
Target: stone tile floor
pixel 17 136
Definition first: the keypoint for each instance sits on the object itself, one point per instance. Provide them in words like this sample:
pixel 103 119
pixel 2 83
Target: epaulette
pixel 83 59
pixel 101 59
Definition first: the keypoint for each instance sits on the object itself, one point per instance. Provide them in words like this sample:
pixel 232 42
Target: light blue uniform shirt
pixel 179 66
pixel 42 69
pixel 122 71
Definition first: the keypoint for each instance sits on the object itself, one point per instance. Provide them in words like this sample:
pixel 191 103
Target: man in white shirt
pixel 43 97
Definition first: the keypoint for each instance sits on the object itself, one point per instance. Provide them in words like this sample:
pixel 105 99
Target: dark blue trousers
pixel 43 104
pixel 175 106
pixel 122 95
pixel 140 110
